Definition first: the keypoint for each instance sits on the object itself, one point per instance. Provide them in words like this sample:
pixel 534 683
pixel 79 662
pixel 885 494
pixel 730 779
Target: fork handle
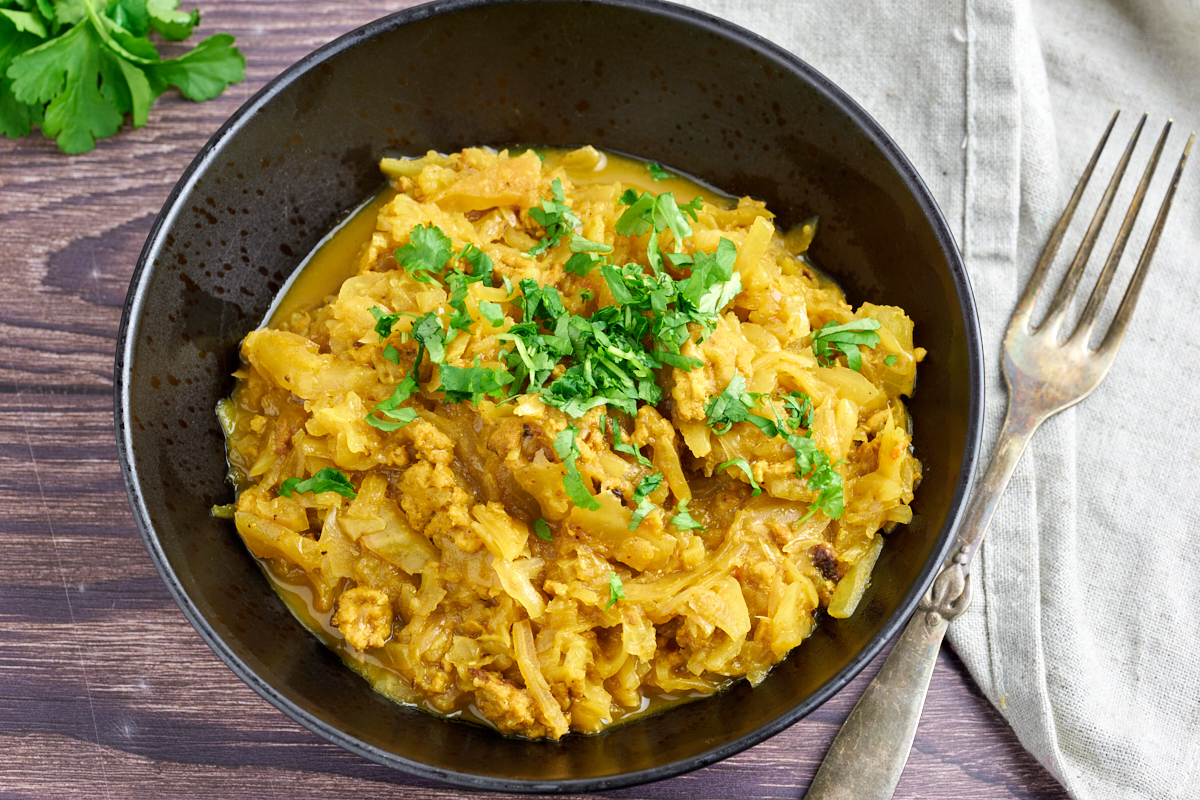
pixel 868 755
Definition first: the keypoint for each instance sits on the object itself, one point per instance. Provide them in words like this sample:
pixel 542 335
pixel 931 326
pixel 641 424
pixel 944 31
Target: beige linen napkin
pixel 1085 630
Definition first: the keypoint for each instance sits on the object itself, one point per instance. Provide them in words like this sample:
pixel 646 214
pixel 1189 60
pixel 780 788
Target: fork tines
pixel 1057 312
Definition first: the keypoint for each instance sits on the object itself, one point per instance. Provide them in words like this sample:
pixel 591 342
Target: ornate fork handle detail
pixel 950 593
pixel 1044 375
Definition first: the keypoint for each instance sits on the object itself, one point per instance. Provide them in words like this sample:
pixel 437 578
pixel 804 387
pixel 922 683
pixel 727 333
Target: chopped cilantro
pixel 616 590
pixel 641 495
pixel 730 406
pixel 556 217
pixel 827 483
pixel 481 264
pixel 397 417
pixel 744 466
pixel 492 313
pixel 474 383
pixel 427 330
pixel 798 407
pixel 683 519
pixel 542 529
pixel 845 339
pixel 568 451
pixel 890 359
pixel 391 354
pixel 582 245
pixel 327 480
pixel 620 447
pixel 426 253
pixel 385 322
pixel 657 172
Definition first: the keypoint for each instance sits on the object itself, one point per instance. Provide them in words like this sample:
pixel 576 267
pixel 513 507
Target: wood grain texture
pixel 107 691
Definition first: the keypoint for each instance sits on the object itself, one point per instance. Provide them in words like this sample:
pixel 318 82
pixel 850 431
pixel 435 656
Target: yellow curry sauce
pixel 458 570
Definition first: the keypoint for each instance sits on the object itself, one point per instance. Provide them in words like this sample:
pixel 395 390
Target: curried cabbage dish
pixel 552 440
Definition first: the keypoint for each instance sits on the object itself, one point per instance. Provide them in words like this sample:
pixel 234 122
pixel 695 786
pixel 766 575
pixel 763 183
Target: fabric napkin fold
pixel 1085 628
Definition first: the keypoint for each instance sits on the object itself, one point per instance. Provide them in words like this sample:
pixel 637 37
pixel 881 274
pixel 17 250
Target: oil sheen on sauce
pixel 319 277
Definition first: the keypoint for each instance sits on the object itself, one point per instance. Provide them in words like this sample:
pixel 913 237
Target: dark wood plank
pixel 108 692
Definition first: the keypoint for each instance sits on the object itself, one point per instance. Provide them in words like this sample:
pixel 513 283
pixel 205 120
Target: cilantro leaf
pixel 582 263
pixel 845 339
pixel 731 406
pixel 826 481
pixel 542 529
pixel 620 447
pixel 890 359
pixel 481 263
pixel 64 75
pixel 474 383
pixel 641 495
pixel 174 25
pixel 397 417
pixel 568 451
pixel 744 465
pixel 391 354
pixel 799 409
pixel 327 480
pixel 556 217
pixel 581 245
pixel 427 330
pixel 683 519
pixel 616 590
pixel 203 72
pixel 657 172
pixel 426 253
pixel 385 322
pixel 492 313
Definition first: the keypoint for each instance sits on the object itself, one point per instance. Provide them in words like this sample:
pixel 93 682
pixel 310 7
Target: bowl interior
pixel 658 81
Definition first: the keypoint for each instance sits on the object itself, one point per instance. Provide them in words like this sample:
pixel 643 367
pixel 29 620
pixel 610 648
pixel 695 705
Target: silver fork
pixel 1044 376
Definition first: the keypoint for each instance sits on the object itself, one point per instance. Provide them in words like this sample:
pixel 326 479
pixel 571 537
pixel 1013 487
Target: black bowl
pixel 656 80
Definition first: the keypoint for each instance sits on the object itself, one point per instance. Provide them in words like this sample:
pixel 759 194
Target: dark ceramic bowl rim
pixel 128 333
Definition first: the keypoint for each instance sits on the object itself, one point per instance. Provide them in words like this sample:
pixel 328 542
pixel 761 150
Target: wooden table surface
pixel 107 691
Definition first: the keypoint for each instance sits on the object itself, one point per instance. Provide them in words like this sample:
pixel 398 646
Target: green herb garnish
pixel 77 67
pixel 657 172
pixel 542 529
pixel 890 359
pixel 426 253
pixel 474 383
pixel 845 339
pixel 616 590
pixel 568 451
pixel 683 519
pixel 556 217
pixel 641 496
pixel 327 480
pixel 620 447
pixel 744 466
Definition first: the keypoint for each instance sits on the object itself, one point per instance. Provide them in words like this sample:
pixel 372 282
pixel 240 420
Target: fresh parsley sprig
pixel 77 67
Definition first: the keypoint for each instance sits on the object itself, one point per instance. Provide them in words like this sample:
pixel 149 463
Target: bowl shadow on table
pixel 707 99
